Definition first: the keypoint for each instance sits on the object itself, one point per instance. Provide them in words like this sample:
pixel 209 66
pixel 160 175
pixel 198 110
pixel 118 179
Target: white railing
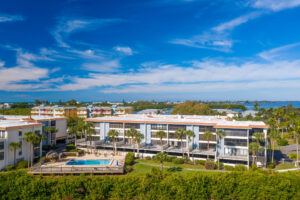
pixel 55 169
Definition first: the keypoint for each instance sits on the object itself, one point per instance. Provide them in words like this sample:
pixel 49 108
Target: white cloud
pixel 124 50
pixel 275 5
pixel 209 73
pixel 286 52
pixel 218 37
pixel 10 18
pixel 67 26
pixel 104 66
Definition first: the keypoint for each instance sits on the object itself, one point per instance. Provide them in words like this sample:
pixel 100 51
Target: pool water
pixel 89 162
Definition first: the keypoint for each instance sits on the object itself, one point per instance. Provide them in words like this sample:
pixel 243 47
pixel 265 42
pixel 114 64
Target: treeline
pixel 193 108
pixel 234 185
pixel 227 106
pixel 15 111
pixel 142 105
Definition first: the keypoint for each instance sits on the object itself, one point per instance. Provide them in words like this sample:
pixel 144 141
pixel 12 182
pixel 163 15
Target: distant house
pixel 150 111
pixel 249 112
pixel 229 113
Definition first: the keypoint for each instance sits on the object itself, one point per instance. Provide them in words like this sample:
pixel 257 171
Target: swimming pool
pixel 90 162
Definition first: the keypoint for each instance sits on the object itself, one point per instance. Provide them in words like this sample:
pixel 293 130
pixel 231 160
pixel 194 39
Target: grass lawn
pixel 284 166
pixel 142 169
pixel 170 164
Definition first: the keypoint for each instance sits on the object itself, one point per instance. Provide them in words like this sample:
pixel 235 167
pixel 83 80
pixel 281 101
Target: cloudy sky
pixel 95 50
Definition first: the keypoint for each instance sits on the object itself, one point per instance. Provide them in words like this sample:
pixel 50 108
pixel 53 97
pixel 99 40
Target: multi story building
pixel 120 110
pixel 83 112
pixel 231 149
pixel 13 131
pixel 100 111
pixel 54 111
pixel 60 123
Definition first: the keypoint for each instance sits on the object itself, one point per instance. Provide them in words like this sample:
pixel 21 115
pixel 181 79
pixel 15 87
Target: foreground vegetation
pixel 154 185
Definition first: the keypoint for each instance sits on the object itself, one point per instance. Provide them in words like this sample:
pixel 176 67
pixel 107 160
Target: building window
pixel 38 132
pixel 20 133
pixel 115 125
pixel 1 145
pixel 53 123
pixel 207 128
pixel 132 125
pixel 235 142
pixel 236 132
pixel 1 155
pixel 2 134
pixel 159 126
pixel 176 127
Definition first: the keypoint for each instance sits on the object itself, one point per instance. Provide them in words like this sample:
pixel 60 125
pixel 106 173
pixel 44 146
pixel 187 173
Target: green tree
pixel 74 125
pixel 258 137
pixel 273 136
pixel 112 134
pixel 220 135
pixel 295 128
pixel 137 139
pixel 179 133
pixel 161 157
pixel 190 134
pixel 254 148
pixel 50 130
pixel 208 136
pixel 131 133
pixel 14 146
pixel 161 135
pixel 33 139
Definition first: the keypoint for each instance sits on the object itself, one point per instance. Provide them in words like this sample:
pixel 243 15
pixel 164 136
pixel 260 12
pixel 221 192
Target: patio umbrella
pixel 117 163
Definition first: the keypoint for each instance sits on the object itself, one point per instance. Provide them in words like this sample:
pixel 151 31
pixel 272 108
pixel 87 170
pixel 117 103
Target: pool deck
pixel 61 167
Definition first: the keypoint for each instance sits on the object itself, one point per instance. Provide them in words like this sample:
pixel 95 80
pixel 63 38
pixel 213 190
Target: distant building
pixel 249 112
pixel 100 111
pixel 54 111
pixel 229 113
pixel 120 110
pixel 150 111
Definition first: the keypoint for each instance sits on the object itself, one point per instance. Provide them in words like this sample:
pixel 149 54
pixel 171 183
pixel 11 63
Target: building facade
pixel 231 149
pixel 54 111
pixel 13 131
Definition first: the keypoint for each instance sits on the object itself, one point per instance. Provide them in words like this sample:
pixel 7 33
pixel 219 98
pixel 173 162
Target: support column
pixel 248 161
pixel 266 143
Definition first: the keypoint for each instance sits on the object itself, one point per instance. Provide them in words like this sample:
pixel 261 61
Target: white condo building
pixel 231 149
pixel 13 131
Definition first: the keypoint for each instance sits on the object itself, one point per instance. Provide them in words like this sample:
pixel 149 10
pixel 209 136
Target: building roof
pixel 30 118
pixel 228 111
pixel 149 111
pixel 216 121
pixel 11 124
pixel 249 112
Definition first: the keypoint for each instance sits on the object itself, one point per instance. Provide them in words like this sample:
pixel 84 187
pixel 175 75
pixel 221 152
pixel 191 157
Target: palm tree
pixel 189 135
pixel 258 137
pixel 220 135
pixel 86 127
pixel 296 133
pixel 207 136
pixel 161 135
pixel 33 139
pixel 138 138
pixel 254 147
pixel 179 133
pixel 50 130
pixel 14 146
pixel 161 157
pixel 131 133
pixel 273 136
pixel 74 131
pixel 90 130
pixel 74 127
pixel 112 134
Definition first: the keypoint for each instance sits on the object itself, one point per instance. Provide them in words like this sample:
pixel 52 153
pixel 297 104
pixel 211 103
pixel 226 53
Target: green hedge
pixel 234 185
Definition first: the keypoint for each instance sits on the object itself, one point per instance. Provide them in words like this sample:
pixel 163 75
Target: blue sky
pixel 95 50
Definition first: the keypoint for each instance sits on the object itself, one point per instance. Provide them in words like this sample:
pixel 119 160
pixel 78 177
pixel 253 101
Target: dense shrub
pixel 293 156
pixel 234 185
pixel 22 164
pixel 148 158
pixel 240 168
pixel 10 167
pixel 129 159
pixel 70 147
pixel 271 165
pixel 283 142
pixel 170 158
pixel 200 162
pixel 219 165
pixel 228 168
pixel 178 161
pixel 210 165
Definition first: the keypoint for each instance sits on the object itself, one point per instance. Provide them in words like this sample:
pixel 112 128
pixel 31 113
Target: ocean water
pixel 250 106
